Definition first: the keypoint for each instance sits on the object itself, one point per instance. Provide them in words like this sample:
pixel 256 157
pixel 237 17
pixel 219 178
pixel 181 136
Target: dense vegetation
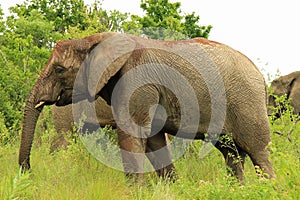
pixel 75 174
pixel 26 40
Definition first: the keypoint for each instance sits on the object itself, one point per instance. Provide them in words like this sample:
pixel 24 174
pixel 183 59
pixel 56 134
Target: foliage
pixel 164 20
pixel 283 110
pixel 104 20
pixel 2 23
pixel 283 119
pixel 99 20
pixel 73 15
pixel 12 96
pixel 21 183
pixel 36 25
pixel 21 61
pixel 75 174
pixel 64 13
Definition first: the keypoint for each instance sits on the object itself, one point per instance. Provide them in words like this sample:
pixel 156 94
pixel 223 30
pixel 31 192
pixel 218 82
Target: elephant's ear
pixel 105 59
pixel 283 84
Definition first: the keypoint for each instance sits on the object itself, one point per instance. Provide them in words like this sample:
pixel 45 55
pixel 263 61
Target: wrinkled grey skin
pixel 63 121
pixel 246 108
pixel 289 85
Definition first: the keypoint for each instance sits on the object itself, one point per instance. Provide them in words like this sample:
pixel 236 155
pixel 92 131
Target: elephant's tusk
pixel 40 104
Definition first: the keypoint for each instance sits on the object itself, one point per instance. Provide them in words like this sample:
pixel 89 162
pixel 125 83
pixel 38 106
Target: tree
pixel 107 20
pixel 64 13
pixel 37 26
pixel 164 20
pixel 2 26
pixel 192 29
pixel 99 20
pixel 24 50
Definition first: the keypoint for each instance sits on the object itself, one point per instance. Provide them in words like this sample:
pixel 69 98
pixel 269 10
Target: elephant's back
pixel 240 75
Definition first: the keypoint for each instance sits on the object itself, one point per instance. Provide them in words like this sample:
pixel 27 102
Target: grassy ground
pixel 75 174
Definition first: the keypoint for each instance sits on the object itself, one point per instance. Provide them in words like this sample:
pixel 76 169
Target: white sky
pixel 261 29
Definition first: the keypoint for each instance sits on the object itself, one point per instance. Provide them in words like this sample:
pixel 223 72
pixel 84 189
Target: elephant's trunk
pixel 31 115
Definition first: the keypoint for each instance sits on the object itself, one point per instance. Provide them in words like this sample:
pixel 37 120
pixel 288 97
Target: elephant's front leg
pixel 159 155
pixel 134 115
pixel 133 154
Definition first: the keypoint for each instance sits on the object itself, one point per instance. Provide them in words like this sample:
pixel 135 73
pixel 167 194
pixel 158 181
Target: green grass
pixel 75 174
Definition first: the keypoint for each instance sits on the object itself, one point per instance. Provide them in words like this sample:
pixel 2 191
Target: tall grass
pixel 75 174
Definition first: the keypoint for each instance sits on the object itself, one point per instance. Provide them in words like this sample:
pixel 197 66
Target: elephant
pixel 289 85
pixel 156 87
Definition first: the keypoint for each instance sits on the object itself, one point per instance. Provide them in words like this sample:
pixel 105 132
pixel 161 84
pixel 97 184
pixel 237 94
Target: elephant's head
pixel 289 85
pixel 56 83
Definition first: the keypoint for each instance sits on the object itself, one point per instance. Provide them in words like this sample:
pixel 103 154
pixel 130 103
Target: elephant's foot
pixel 235 164
pixel 168 173
pixel 262 164
pixel 25 165
pixel 135 178
pixel 235 169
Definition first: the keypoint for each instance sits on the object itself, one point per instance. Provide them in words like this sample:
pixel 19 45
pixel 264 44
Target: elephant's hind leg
pixel 260 159
pixel 233 155
pixel 160 157
pixel 254 140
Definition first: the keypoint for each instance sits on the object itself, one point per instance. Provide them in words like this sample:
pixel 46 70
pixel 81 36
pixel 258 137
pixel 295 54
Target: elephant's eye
pixel 60 69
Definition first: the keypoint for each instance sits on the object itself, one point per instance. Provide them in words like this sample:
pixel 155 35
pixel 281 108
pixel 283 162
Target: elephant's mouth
pixel 42 103
pixel 64 98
